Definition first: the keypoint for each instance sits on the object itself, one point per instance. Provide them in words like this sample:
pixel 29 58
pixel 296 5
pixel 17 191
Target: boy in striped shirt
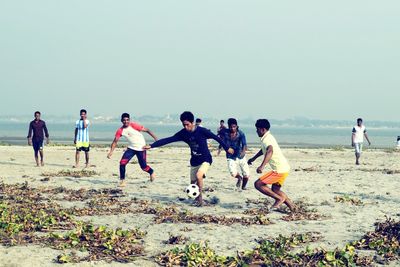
pixel 81 140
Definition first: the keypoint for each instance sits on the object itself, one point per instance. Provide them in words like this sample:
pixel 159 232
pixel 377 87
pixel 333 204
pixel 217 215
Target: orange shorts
pixel 272 177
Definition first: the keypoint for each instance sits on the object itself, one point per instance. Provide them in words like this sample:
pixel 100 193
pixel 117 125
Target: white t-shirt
pixel 133 135
pixel 358 132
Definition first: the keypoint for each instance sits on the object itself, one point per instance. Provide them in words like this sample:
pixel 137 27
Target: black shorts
pixel 37 145
pixel 82 148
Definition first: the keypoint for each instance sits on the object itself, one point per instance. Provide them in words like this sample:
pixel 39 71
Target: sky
pixel 271 59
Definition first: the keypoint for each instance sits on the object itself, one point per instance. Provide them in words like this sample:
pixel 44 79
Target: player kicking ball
pixel 196 137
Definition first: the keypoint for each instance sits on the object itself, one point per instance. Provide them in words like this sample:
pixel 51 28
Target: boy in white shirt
pixel 357 138
pixel 132 132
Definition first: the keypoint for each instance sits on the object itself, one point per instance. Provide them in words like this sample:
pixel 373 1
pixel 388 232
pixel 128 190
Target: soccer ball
pixel 192 191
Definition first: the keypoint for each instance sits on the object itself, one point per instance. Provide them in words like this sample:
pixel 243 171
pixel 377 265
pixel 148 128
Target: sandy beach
pixel 346 199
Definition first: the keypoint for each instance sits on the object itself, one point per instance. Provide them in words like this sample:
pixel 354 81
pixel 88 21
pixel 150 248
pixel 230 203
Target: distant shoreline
pixel 106 143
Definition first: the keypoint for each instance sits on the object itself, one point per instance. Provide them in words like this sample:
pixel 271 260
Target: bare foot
pixel 75 166
pixel 86 165
pixel 42 163
pixel 277 203
pixel 152 177
pixel 122 183
pixel 198 202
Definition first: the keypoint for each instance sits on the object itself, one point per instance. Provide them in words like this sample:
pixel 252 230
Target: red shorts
pixel 272 177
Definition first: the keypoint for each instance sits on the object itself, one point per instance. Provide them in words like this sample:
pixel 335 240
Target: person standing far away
pixel 398 142
pixel 280 167
pixel 198 122
pixel 81 139
pixel 357 139
pixel 36 137
pixel 220 132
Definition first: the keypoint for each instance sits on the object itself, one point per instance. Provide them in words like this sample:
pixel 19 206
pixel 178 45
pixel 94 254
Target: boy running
pixel 196 137
pixel 81 139
pixel 37 127
pixel 132 132
pixel 237 163
pixel 280 167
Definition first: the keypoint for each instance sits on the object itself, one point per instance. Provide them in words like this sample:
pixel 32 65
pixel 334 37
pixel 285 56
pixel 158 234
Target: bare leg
pixel 35 153
pixel 199 182
pixel 263 188
pixel 87 159
pixel 277 189
pixel 41 157
pixel 76 159
pixel 358 158
pixel 239 182
pixel 245 180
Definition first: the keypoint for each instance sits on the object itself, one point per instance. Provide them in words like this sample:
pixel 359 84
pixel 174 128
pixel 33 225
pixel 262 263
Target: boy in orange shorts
pixel 279 165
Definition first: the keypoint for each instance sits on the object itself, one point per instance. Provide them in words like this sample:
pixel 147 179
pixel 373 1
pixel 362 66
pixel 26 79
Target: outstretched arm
pixel 150 133
pixel 163 142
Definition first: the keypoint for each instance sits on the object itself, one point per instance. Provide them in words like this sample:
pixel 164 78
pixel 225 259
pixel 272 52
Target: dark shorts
pixel 37 145
pixel 82 148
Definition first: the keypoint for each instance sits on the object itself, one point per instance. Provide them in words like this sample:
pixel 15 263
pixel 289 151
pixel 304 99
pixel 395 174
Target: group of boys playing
pixel 231 139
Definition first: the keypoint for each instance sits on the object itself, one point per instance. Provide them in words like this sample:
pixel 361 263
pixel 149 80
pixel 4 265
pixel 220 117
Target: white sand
pixel 333 173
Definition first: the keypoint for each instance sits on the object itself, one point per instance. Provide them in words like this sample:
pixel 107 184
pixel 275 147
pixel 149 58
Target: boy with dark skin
pixel 35 137
pixel 279 165
pixel 81 139
pixel 132 131
pixel 196 137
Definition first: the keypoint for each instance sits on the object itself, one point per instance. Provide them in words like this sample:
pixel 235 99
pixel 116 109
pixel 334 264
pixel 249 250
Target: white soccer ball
pixel 192 191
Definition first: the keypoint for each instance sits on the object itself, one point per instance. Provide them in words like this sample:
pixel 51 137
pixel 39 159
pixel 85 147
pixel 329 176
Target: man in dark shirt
pixel 237 162
pixel 196 137
pixel 37 127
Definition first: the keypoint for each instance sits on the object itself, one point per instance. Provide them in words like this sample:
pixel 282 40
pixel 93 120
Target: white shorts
pixel 358 147
pixel 238 166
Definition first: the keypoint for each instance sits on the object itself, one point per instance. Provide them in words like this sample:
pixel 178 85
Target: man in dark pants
pixel 36 137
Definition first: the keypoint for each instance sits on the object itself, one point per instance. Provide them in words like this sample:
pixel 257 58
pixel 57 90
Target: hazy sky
pixel 273 59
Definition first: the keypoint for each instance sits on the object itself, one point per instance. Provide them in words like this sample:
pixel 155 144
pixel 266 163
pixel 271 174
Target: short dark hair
pixel 83 110
pixel 232 121
pixel 359 119
pixel 222 121
pixel 36 112
pixel 198 120
pixel 125 115
pixel 187 116
pixel 263 123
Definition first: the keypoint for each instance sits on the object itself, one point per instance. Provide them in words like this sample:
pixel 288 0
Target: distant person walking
pixel 357 138
pixel 220 132
pixel 81 139
pixel 398 142
pixel 36 137
pixel 278 163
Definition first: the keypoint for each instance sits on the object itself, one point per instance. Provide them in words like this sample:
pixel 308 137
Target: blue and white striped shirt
pixel 83 133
